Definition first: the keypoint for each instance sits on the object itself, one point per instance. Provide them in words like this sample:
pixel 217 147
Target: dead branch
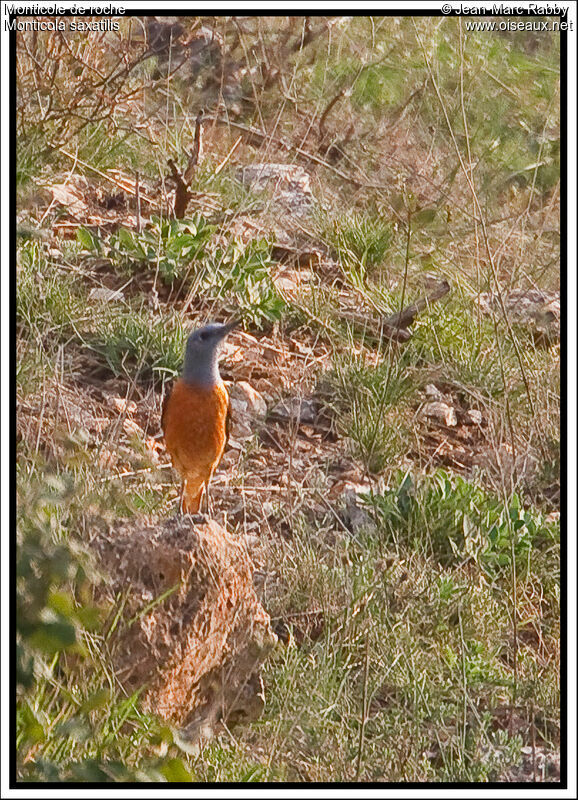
pixel 182 181
pixel 182 193
pixel 195 153
pixel 323 118
pixel 395 326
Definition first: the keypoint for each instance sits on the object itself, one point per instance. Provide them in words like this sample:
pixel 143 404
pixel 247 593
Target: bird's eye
pixel 202 336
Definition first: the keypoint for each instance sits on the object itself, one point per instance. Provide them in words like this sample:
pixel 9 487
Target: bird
pixel 196 414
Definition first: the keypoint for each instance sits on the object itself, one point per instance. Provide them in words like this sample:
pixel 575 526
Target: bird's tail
pixel 191 497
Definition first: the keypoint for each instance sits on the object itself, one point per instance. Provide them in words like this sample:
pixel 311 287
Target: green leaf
pixel 90 771
pixel 24 667
pixel 51 637
pixel 97 699
pixel 425 216
pixel 89 617
pixel 32 728
pixel 119 772
pixel 181 242
pixel 62 603
pixel 87 240
pixel 44 771
pixel 175 772
pixel 125 238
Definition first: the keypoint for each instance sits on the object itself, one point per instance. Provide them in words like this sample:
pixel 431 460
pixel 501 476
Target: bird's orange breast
pixel 195 427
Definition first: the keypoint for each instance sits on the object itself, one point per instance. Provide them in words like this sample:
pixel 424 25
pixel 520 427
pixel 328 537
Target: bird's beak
pixel 230 326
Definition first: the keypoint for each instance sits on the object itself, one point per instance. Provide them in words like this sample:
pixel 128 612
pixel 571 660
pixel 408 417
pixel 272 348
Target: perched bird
pixel 196 414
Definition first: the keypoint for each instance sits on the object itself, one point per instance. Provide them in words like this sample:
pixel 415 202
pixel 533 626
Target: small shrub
pixel 241 277
pixel 172 245
pixel 360 240
pixel 455 520
pixel 236 274
pixel 371 402
pixel 139 342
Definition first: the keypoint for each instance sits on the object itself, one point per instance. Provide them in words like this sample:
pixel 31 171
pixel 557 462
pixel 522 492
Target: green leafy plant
pixel 72 721
pixel 456 520
pixel 174 246
pixel 241 277
pixel 49 615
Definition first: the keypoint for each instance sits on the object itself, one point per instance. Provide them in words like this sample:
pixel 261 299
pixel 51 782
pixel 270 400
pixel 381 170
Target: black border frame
pixel 388 12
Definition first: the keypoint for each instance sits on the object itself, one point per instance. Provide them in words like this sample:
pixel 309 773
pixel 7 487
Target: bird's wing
pixel 228 423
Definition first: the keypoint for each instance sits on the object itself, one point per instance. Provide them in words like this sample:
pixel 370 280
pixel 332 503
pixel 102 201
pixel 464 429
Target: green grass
pixel 360 241
pixel 46 293
pixel 138 343
pixel 364 399
pixel 435 641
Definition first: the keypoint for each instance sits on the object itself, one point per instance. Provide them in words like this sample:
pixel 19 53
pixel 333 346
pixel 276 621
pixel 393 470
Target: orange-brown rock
pixel 198 632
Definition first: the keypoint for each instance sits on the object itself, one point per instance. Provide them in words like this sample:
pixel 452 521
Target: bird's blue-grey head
pixel 202 354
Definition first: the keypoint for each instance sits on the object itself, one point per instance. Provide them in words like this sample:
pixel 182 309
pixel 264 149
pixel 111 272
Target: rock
pixel 295 409
pixel 132 428
pixel 104 294
pixel 268 508
pixel 355 515
pixel 474 416
pixel 537 765
pixel 291 282
pixel 252 541
pixel 248 407
pixel 120 404
pixel 441 412
pixel 536 309
pixel 291 185
pixel 196 653
pixel 433 392
pixel 71 195
pixel 248 400
pixel 448 410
